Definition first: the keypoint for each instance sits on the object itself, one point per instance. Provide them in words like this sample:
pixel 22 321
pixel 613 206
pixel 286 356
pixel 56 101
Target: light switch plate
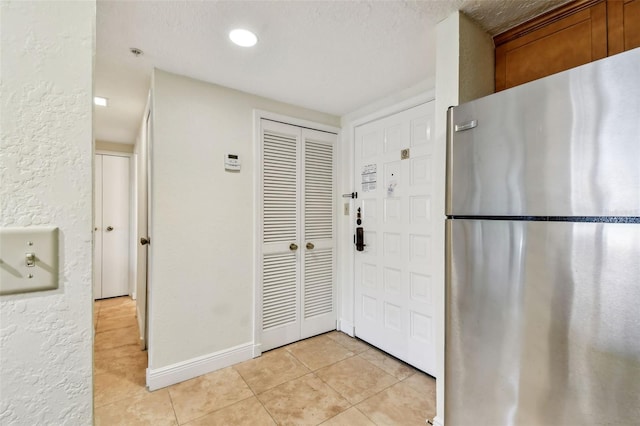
pixel 20 245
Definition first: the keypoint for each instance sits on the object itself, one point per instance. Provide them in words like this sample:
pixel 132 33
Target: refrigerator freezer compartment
pixel 566 145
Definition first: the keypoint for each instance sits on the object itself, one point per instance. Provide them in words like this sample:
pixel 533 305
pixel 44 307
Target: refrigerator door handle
pixel 465 126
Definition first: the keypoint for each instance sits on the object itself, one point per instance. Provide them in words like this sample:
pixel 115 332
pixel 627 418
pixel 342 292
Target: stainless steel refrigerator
pixel 543 251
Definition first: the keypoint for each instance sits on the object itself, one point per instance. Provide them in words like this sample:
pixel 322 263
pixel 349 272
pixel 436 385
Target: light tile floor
pixel 331 379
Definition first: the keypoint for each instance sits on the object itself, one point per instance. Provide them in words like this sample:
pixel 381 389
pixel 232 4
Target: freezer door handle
pixel 465 126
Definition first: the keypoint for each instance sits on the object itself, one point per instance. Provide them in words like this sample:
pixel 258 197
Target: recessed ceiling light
pixel 244 38
pixel 100 101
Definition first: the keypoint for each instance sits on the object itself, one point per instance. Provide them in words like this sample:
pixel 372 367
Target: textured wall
pixel 45 175
pixel 497 16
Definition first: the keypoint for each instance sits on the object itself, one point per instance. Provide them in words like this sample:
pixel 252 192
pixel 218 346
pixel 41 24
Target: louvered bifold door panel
pixel 280 195
pixel 318 298
pixel 318 283
pixel 279 290
pixel 318 190
pixel 280 191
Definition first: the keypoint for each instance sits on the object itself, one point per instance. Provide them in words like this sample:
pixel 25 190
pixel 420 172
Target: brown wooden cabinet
pixel 623 19
pixel 574 34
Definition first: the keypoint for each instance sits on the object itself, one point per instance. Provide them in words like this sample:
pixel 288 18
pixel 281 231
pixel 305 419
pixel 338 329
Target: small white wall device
pixel 232 162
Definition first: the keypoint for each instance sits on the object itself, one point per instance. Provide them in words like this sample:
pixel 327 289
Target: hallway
pixel 331 379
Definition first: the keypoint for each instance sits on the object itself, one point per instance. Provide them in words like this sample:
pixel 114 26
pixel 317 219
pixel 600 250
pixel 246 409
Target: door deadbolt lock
pixel 310 246
pixel 293 247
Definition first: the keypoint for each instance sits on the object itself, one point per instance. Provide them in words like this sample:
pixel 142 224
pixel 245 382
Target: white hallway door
pixel 297 271
pixel 111 228
pixel 394 309
pixel 142 239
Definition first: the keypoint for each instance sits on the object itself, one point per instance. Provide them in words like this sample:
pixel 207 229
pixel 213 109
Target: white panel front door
pixel 394 309
pixel 297 233
pixel 113 227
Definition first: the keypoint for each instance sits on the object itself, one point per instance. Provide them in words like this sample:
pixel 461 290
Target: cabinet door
pixel 623 18
pixel 562 39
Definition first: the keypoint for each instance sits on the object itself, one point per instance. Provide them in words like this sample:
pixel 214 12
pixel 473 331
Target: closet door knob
pixel 144 241
pixel 310 246
pixel 293 247
pixel 109 228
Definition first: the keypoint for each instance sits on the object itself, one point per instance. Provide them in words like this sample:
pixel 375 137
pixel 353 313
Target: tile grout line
pixel 365 414
pixel 173 408
pixel 255 395
pixel 310 372
pixel 364 359
pixel 301 363
pixel 371 396
pixel 313 372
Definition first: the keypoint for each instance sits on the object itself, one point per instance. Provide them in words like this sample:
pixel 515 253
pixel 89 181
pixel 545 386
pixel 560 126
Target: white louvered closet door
pixel 318 272
pixel 298 253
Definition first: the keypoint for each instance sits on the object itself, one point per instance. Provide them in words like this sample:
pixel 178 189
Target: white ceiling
pixel 331 56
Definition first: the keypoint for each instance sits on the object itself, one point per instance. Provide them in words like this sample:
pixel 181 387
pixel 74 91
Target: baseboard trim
pixel 437 421
pixel 257 350
pixel 185 370
pixel 346 327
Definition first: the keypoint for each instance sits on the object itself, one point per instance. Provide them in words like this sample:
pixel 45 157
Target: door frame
pixel 258 116
pixel 345 251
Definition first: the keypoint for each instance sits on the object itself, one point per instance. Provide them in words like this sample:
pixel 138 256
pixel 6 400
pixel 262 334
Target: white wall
pixel 464 71
pixel 45 164
pixel 203 220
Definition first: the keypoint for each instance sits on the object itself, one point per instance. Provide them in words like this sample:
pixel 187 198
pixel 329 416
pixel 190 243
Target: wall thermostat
pixel 232 162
